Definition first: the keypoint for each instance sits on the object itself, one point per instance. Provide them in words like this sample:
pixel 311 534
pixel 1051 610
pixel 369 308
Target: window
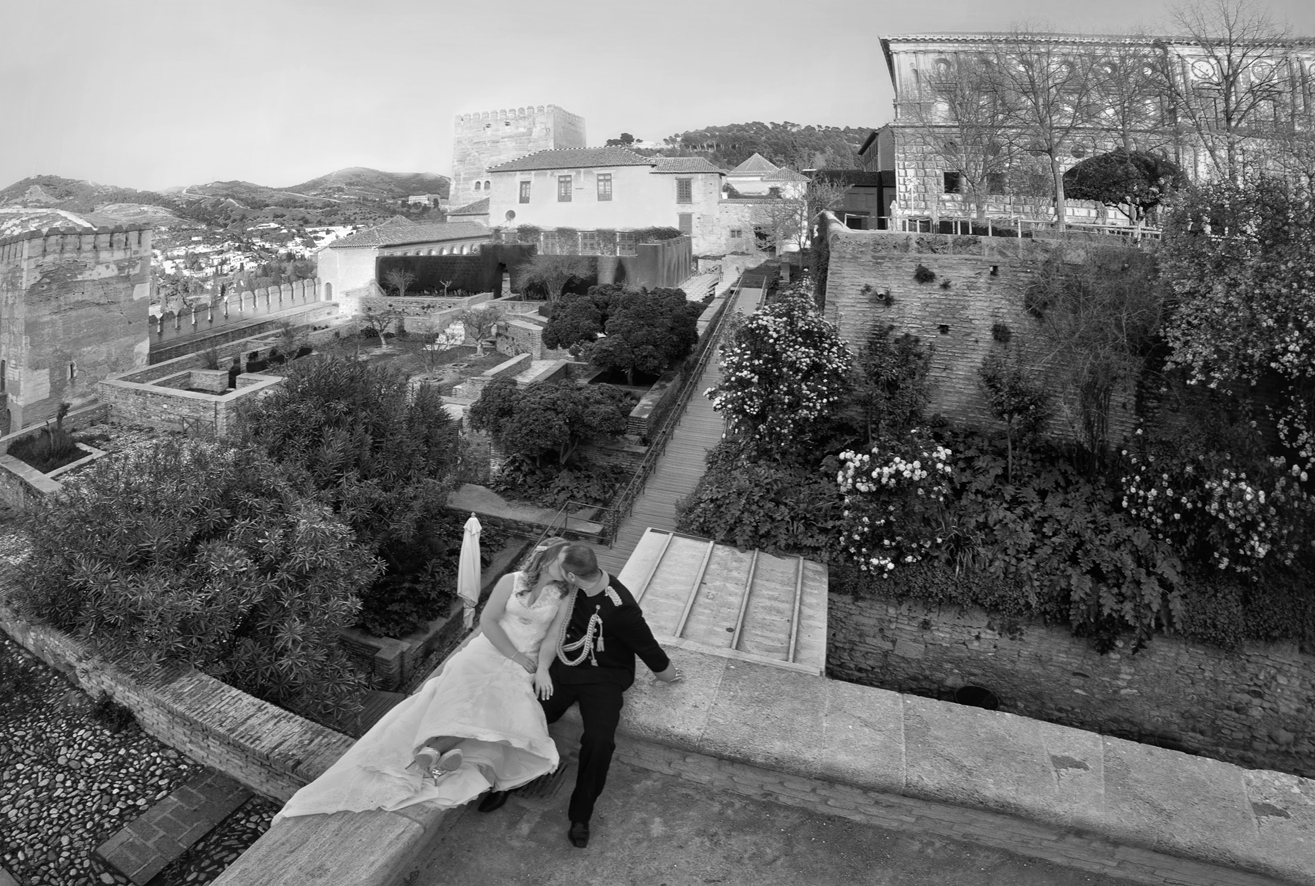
pixel 626 243
pixel 952 183
pixel 487 184
pixel 525 192
pixel 604 186
pixel 684 190
pixel 686 223
pixel 563 189
pixel 477 185
pixel 737 233
pixel 589 242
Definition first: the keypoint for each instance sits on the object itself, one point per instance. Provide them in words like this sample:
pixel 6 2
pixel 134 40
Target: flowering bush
pixel 894 496
pixel 784 370
pixel 1209 507
pixel 1240 270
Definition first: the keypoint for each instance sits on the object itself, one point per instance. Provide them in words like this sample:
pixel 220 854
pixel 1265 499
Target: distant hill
pixel 349 196
pixel 371 184
pixel 785 144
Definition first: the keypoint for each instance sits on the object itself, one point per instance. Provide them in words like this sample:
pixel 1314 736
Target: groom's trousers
pixel 600 709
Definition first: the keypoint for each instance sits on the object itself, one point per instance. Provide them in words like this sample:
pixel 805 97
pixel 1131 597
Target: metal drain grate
pixel 544 787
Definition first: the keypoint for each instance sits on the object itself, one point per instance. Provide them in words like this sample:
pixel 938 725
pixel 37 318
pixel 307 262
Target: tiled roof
pixel 754 165
pixel 687 164
pixel 784 175
pixel 574 158
pixel 390 234
pixel 479 207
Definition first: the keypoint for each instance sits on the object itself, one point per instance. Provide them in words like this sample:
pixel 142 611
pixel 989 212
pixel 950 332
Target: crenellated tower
pixel 487 138
pixel 74 307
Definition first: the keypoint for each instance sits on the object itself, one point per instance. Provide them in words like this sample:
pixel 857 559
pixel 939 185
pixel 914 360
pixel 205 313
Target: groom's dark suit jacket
pixel 625 635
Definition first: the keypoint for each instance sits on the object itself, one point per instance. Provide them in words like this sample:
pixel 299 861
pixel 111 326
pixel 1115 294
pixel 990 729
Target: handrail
pixel 625 499
pixel 563 514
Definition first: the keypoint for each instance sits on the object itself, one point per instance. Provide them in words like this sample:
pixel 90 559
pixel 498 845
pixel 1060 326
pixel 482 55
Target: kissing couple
pixel 559 632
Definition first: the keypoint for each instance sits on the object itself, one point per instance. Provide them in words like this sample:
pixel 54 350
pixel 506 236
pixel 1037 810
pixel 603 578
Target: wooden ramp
pixel 677 472
pixel 714 598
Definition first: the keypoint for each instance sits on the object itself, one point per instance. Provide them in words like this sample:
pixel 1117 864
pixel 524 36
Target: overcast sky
pixel 154 93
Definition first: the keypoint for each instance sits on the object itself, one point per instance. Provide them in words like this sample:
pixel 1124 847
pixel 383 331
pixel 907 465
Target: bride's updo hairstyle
pixel 546 552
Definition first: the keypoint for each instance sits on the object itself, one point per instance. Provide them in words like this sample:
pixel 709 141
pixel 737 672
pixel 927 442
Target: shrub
pixel 782 509
pixel 50 447
pixel 890 388
pixel 784 373
pixel 549 420
pixel 553 486
pixel 207 555
pixel 379 452
pixel 894 498
pixel 1015 398
pixel 923 274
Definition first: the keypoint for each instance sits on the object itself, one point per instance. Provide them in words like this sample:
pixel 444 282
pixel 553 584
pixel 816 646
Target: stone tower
pixel 487 138
pixel 73 310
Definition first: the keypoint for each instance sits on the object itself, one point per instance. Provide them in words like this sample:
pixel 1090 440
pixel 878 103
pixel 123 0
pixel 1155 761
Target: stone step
pixel 170 827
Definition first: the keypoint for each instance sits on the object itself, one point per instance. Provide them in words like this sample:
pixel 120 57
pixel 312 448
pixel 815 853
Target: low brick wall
pixel 20 483
pixel 270 750
pixel 1251 707
pixel 392 663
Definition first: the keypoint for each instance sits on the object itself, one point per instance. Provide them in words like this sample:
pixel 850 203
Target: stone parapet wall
pixel 271 751
pixel 1251 707
pixel 237 308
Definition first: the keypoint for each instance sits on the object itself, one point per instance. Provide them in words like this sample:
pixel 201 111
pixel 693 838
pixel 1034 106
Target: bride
pixel 474 727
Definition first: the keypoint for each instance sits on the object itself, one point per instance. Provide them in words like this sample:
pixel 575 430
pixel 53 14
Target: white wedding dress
pixel 482 698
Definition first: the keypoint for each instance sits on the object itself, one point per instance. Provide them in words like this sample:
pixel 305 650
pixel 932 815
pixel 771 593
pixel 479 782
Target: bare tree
pixel 962 122
pixel 480 321
pixel 381 320
pixel 1049 93
pixel 790 213
pixel 1128 101
pixel 1228 81
pixel 399 279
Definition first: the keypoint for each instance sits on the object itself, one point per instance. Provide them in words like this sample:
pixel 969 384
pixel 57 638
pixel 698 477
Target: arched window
pixel 487 184
pixel 477 185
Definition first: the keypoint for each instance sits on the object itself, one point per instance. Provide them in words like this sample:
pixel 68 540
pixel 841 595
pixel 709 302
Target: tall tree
pixel 961 121
pixel 791 211
pixel 1227 83
pixel 1048 90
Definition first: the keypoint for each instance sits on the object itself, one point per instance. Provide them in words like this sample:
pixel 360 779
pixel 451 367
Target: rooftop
pixel 687 164
pixel 574 158
pixel 754 165
pixel 784 175
pixel 395 233
pixel 479 207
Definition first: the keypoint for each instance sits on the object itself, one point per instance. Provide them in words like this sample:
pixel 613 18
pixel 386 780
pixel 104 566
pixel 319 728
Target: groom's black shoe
pixel 579 834
pixel 492 800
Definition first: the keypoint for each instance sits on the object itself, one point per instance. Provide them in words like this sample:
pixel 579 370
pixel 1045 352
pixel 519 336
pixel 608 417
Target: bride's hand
pixel 524 661
pixel 543 684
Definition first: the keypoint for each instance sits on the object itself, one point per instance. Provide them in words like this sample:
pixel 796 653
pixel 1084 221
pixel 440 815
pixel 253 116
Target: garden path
pixel 679 468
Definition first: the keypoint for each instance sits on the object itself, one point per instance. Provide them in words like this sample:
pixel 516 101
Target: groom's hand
pixel 670 675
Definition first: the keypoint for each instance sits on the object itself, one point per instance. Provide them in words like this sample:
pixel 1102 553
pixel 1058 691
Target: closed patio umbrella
pixel 468 570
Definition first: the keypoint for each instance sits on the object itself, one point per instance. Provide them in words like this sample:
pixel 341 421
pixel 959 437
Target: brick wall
pixel 1251 707
pixel 271 751
pixel 233 309
pixel 987 278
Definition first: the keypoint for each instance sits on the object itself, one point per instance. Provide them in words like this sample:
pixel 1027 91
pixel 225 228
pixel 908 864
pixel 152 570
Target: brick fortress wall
pixel 987 280
pixel 73 310
pixel 487 138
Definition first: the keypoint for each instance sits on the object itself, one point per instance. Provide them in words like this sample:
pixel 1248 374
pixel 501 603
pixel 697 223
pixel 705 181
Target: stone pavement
pixel 169 828
pixel 660 830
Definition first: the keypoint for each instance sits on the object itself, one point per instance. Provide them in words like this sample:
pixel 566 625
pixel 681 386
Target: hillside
pixel 371 184
pixel 785 144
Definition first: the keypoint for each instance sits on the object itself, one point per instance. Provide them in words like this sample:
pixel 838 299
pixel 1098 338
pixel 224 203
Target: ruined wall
pixel 486 138
pixel 986 277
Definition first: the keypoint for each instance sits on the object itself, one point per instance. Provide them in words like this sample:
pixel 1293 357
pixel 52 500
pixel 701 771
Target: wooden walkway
pixel 678 470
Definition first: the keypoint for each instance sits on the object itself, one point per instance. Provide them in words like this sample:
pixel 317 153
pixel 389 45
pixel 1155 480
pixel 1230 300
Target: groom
pixel 595 665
